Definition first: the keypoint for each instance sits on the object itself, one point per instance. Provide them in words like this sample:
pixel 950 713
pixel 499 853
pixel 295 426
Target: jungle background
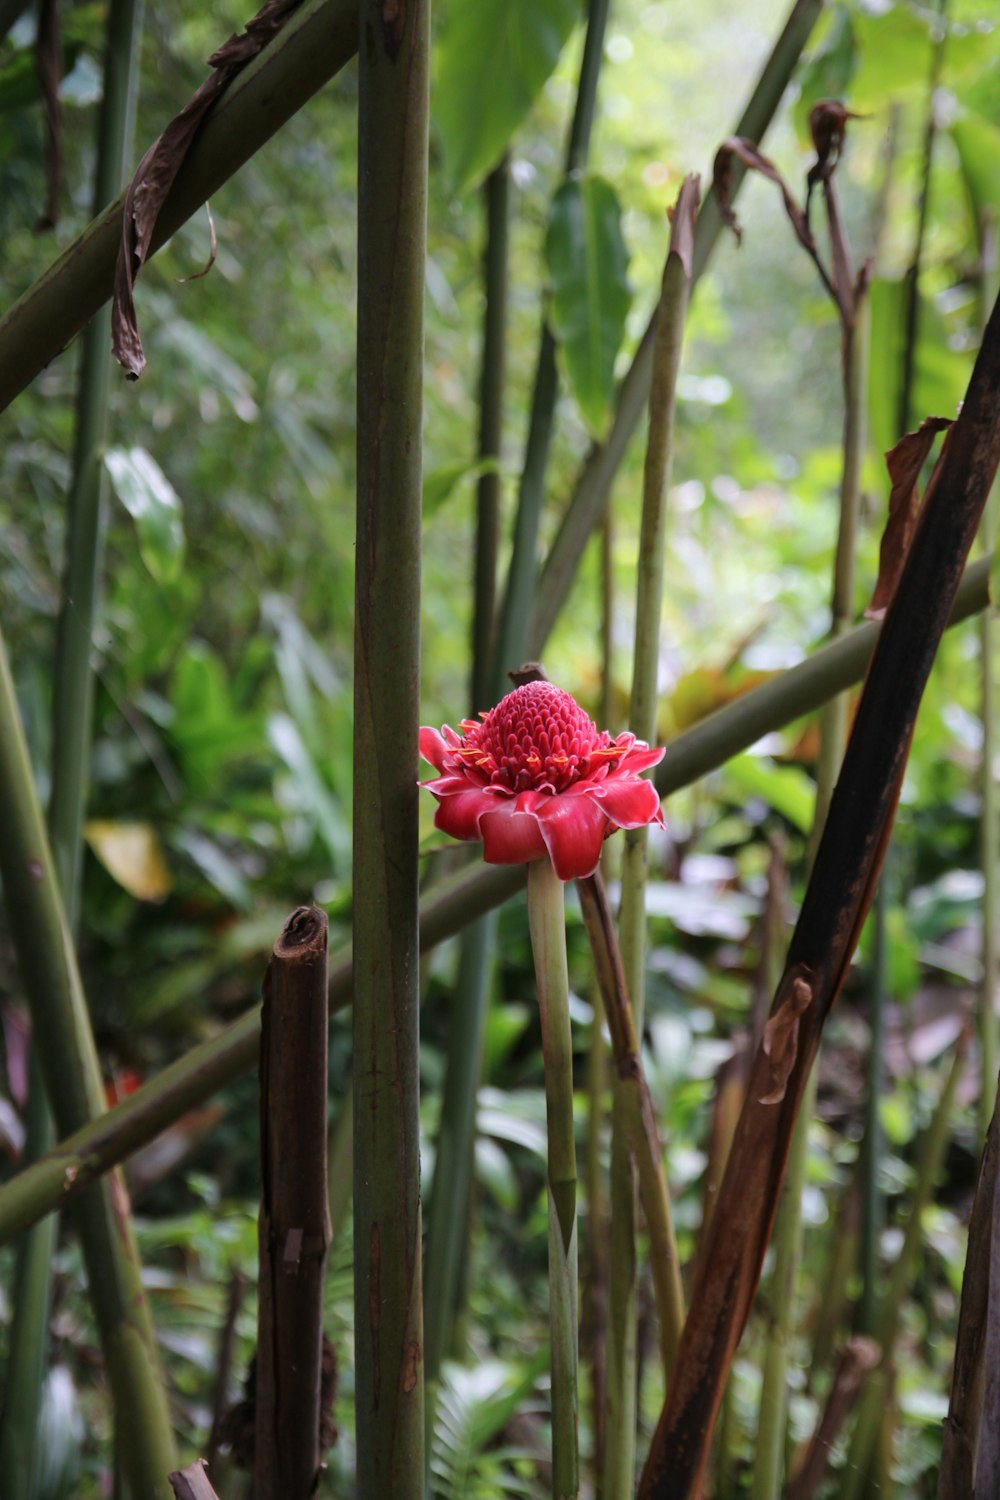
pixel 220 791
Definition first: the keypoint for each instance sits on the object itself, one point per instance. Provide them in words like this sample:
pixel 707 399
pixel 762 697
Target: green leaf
pixel 788 789
pixel 151 501
pixel 588 267
pixel 895 50
pixel 977 142
pixel 827 74
pixel 493 59
pixel 940 372
pixel 441 484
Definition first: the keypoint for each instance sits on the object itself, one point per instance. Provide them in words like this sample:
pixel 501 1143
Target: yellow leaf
pixel 133 855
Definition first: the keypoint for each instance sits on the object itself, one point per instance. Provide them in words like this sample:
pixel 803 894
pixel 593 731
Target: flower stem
pixel 546 919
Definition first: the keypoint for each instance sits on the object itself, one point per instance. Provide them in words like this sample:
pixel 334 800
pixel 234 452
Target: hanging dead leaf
pixel 740 149
pixel 904 463
pixel 828 127
pixel 155 175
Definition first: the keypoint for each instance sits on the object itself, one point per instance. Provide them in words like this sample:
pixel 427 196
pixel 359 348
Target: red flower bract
pixel 536 777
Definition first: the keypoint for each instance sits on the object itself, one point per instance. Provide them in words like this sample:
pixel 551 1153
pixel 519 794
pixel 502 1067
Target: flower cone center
pixel 536 738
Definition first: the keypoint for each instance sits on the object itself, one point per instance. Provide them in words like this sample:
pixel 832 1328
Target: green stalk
pixel 547 923
pixel 491 399
pixel 590 495
pixel 450 1202
pixel 340 1153
pixel 392 207
pixel 94 1149
pixel 989 1040
pixel 930 1159
pixel 62 1033
pixel 315 43
pixel 72 715
pixel 619 1467
pixel 522 574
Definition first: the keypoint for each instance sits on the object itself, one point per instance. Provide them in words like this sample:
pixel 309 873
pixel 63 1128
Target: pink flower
pixel 536 777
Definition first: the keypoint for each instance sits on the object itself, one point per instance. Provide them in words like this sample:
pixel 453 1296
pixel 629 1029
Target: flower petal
pixel 629 804
pixel 573 829
pixel 433 747
pixel 510 832
pixel 459 814
pixel 640 759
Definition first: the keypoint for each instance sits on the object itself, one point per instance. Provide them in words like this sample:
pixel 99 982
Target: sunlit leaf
pixel 978 144
pixel 788 789
pixel 493 59
pixel 588 267
pixel 133 855
pixel 940 372
pixel 440 484
pixel 152 502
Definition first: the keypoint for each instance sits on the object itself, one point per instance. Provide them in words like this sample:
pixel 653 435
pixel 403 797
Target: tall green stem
pixel 512 634
pixel 72 714
pixel 450 1204
pixel 989 1040
pixel 547 922
pixel 392 207
pixel 66 1046
pixel 619 1469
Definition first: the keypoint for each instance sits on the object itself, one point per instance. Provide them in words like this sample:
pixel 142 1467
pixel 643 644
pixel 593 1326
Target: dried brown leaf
pixel 739 148
pixel 155 174
pixel 904 463
pixel 828 127
pixel 781 1038
pixel 683 217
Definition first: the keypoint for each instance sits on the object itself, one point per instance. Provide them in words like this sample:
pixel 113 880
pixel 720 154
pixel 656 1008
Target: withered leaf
pixel 683 217
pixel 828 127
pixel 49 64
pixel 781 1038
pixel 155 174
pixel 904 463
pixel 754 160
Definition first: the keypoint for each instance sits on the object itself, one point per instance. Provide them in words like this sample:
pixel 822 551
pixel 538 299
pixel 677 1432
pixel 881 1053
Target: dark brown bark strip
pixel 294 1221
pixel 835 903
pixel 961 1427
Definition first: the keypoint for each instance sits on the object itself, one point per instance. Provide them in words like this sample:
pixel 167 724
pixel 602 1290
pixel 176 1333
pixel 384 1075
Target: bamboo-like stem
pixel 547 923
pixel 989 814
pixel 294 1228
pixel 448 1215
pixel 622 1392
pixel 872 1202
pixel 87 1153
pixel 392 206
pixel 597 1244
pixel 872 1405
pixel 340 1152
pixel 71 732
pixel 491 402
pixel 590 495
pixel 640 1139
pixel 73 677
pixel 315 43
pixel 73 1078
pixel 522 574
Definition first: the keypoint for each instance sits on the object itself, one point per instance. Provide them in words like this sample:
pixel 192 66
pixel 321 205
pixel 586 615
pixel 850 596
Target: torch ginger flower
pixel 536 778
